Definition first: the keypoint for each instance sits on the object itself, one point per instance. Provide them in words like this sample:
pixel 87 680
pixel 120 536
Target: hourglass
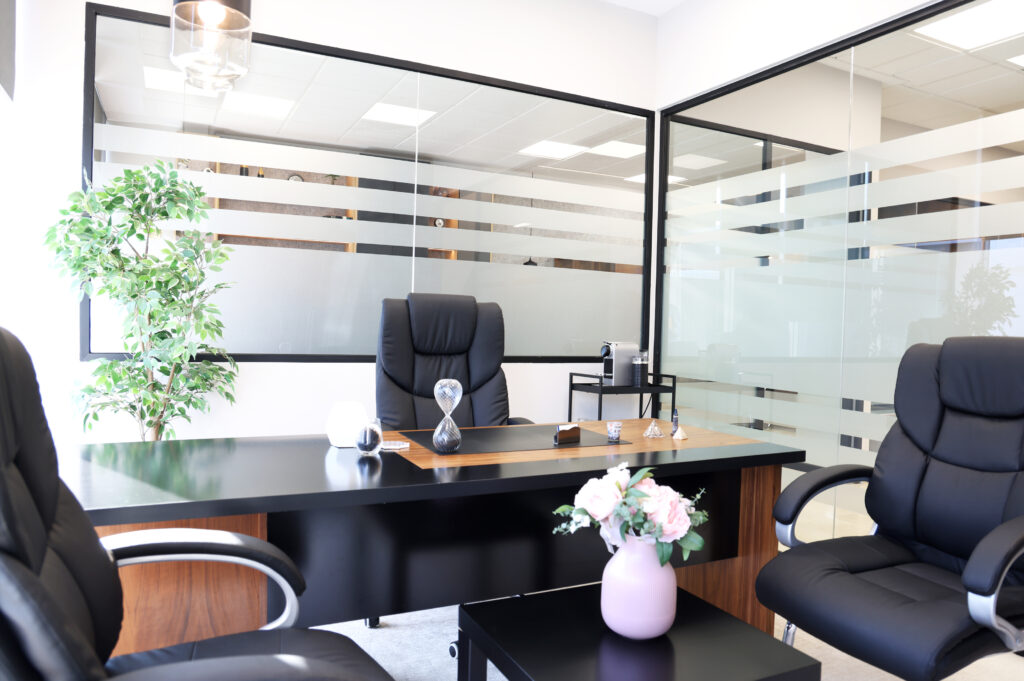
pixel 447 437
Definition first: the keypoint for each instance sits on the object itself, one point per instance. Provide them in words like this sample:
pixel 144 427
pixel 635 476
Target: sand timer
pixel 447 437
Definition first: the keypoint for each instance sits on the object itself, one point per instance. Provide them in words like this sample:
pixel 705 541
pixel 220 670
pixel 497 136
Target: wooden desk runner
pixel 632 430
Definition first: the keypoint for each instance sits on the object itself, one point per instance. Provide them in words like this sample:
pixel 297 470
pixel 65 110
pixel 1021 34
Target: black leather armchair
pixel 938 584
pixel 430 336
pixel 60 594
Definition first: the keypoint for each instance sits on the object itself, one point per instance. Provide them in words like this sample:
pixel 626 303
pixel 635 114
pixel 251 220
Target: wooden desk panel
pixel 632 431
pixel 175 602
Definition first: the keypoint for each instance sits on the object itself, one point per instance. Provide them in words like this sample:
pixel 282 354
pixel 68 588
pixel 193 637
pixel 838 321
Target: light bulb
pixel 212 13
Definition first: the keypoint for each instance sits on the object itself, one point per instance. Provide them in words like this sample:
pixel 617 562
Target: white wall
pixel 606 54
pixel 703 44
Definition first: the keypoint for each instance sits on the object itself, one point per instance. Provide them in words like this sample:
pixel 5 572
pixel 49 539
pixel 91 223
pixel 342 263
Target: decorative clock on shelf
pixel 438 222
pixel 295 177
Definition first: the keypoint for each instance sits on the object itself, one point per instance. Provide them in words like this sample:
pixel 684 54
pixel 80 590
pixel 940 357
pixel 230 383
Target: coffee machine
pixel 618 362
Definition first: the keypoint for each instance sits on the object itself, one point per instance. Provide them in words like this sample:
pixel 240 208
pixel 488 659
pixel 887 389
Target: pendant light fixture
pixel 210 41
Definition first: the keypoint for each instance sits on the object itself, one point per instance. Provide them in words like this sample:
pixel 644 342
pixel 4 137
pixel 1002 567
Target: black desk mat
pixel 509 439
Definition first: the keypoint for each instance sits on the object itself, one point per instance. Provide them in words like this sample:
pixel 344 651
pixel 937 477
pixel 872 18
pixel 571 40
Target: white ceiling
pixel 930 86
pixel 473 124
pixel 652 7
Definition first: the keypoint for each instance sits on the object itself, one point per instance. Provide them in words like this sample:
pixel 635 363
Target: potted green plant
pixel 117 242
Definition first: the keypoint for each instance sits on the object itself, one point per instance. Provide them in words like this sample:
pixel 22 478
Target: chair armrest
pixel 806 487
pixel 243 668
pixel 983 577
pixel 184 544
pixel 518 421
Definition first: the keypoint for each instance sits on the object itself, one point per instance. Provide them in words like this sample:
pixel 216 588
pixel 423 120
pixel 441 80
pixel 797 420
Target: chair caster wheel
pixel 453 649
pixel 372 622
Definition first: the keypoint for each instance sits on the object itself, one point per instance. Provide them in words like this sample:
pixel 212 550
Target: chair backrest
pixel 60 595
pixel 430 336
pixel 950 469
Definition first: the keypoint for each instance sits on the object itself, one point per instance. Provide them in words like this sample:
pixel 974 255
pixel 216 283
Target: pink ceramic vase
pixel 638 594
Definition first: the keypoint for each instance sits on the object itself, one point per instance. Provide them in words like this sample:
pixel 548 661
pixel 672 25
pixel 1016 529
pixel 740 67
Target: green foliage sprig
pixel 109 242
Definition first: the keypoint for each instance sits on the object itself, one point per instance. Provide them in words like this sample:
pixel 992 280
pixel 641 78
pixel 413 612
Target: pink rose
pixel 598 497
pixel 665 507
pixel 646 486
pixel 676 524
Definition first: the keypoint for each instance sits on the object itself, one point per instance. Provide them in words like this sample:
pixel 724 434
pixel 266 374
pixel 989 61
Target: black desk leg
pixel 472 663
pixel 569 418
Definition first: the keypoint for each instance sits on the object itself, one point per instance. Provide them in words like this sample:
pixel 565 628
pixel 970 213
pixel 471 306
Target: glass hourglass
pixel 447 438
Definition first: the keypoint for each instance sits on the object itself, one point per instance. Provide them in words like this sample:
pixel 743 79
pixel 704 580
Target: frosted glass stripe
pixel 307 228
pixel 547 310
pixel 164 144
pixel 379 200
pixel 992 131
pixel 969 182
pixel 966 223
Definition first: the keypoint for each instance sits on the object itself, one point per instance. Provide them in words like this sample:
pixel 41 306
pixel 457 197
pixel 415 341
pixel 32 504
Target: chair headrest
pixel 983 375
pixel 441 324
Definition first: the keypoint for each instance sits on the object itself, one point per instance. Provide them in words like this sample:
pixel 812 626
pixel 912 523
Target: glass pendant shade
pixel 210 41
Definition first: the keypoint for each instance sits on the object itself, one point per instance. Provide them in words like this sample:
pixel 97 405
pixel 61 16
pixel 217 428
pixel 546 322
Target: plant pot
pixel 638 594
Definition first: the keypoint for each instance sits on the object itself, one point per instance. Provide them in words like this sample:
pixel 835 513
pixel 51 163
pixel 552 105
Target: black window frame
pixel 95 10
pixel 671 114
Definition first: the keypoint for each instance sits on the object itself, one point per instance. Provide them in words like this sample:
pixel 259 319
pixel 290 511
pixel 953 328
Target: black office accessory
pixel 567 434
pixel 430 336
pixel 61 605
pixel 501 439
pixel 918 597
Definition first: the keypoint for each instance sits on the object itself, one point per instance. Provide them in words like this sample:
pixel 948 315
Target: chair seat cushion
pixel 352 663
pixel 874 599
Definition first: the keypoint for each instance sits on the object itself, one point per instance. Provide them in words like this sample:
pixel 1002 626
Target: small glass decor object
pixel 653 430
pixel 614 430
pixel 447 438
pixel 369 438
pixel 344 422
pixel 641 523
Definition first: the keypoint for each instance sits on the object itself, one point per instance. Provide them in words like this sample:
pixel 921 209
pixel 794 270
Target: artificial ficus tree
pixel 118 241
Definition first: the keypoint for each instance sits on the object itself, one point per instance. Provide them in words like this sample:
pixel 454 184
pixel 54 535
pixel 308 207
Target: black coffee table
pixel 560 636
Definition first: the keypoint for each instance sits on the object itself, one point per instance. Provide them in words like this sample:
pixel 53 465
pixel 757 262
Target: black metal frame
pixel 600 389
pixel 95 10
pixel 669 115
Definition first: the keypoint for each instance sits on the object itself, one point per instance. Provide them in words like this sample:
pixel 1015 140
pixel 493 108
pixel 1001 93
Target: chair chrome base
pixel 789 634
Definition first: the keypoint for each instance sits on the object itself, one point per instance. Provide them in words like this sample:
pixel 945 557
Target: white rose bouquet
pixel 620 504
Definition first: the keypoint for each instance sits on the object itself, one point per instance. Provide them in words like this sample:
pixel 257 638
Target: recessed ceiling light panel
pixel 695 161
pixel 985 24
pixel 549 149
pixel 1018 60
pixel 618 149
pixel 397 115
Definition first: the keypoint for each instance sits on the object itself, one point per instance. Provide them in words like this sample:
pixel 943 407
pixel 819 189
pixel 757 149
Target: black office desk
pixel 375 537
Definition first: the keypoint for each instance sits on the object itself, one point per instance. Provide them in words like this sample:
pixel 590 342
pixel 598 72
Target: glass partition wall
pixel 823 220
pixel 342 179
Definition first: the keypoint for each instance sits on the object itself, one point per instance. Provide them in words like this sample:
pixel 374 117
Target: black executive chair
pixel 60 594
pixel 429 336
pixel 937 586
